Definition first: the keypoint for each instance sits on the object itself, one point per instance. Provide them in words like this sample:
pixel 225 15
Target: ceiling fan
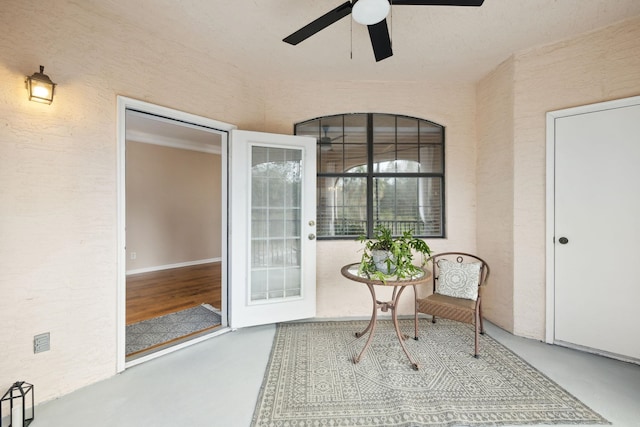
pixel 373 14
pixel 326 142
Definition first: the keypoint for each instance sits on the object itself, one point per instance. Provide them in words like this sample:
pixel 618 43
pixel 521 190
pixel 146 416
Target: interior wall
pixel 451 105
pixel 58 172
pixel 599 66
pixel 495 190
pixel 174 206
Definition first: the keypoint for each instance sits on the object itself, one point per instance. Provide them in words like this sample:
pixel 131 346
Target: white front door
pixel 597 228
pixel 272 243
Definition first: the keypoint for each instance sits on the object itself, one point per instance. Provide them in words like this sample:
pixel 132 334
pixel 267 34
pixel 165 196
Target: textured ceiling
pixel 429 42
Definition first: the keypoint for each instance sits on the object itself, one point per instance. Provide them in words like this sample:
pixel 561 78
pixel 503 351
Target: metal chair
pixel 461 309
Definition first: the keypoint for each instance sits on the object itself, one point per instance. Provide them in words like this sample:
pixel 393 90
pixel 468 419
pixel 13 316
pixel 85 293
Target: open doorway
pixel 243 157
pixel 175 219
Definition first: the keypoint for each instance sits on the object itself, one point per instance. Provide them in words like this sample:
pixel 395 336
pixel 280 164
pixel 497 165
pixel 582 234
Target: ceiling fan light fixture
pixel 369 12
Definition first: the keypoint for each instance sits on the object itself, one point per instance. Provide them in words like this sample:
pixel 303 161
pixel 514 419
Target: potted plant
pixel 385 256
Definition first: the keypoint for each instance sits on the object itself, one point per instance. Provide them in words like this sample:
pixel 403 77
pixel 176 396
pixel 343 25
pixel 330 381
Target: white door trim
pixel 550 197
pixel 124 103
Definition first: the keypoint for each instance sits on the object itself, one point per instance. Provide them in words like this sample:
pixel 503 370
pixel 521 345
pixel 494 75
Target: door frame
pixel 552 116
pixel 124 103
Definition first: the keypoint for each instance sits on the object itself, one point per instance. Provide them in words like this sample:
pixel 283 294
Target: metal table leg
pixel 371 326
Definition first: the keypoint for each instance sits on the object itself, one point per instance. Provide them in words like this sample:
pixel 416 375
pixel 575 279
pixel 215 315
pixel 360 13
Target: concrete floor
pixel 216 383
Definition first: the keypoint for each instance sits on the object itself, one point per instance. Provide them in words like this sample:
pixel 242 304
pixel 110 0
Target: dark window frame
pixel 371 174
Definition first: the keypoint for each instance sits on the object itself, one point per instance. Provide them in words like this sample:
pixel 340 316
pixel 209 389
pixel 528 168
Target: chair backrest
pixel 459 257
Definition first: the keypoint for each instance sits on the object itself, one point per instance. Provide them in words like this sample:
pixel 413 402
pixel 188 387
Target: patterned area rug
pixel 162 329
pixel 311 380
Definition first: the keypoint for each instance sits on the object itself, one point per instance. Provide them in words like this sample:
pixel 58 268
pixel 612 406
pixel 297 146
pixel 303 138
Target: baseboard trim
pixel 621 357
pixel 170 266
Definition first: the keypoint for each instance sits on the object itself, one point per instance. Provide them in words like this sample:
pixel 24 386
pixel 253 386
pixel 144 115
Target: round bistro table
pixel 350 271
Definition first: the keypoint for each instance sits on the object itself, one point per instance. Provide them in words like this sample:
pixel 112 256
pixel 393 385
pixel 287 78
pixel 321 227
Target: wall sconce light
pixel 17 396
pixel 40 87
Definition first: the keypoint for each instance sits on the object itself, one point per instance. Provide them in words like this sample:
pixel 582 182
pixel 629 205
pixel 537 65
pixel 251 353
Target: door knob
pixel 312 236
pixel 563 240
pixel 312 223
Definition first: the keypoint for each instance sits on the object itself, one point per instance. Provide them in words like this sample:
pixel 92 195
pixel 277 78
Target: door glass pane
pixel 275 223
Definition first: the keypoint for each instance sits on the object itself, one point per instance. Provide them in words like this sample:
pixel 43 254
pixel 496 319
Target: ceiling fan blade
pixel 439 2
pixel 380 41
pixel 319 24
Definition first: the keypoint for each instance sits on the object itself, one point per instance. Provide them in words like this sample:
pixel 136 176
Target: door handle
pixel 563 240
pixel 312 236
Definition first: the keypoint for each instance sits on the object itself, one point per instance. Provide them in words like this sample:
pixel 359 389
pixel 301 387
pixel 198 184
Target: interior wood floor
pixel 163 292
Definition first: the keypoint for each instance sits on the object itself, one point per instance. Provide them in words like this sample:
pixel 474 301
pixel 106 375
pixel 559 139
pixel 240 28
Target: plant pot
pixel 380 258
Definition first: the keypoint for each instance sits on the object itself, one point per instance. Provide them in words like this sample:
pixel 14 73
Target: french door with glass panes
pixel 272 243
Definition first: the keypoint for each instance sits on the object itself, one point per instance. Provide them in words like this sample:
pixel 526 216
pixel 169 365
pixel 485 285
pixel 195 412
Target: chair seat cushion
pixel 461 310
pixel 458 279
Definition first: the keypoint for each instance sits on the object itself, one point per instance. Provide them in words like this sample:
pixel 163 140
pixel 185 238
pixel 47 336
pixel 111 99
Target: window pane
pixel 332 130
pixel 355 129
pixel 431 207
pixel 431 159
pixel 407 130
pixel 430 133
pixel 383 153
pixel 342 206
pixel 330 158
pixel 410 153
pixel 310 128
pixel 384 129
pixel 408 204
pixel 330 144
pixel 355 158
pixel 399 146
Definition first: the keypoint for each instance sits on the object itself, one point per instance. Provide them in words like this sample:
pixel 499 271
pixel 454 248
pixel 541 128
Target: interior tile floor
pixel 216 383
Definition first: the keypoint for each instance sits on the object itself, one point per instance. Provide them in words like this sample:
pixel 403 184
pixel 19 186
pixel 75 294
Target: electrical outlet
pixel 134 255
pixel 41 343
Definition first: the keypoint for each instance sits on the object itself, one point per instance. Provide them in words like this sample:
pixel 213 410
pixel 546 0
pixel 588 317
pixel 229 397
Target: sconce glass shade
pixel 369 12
pixel 40 87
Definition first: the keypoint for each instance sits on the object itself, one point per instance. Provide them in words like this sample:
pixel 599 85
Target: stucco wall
pixel 58 166
pixel 451 105
pixel 495 190
pixel 58 173
pixel 599 66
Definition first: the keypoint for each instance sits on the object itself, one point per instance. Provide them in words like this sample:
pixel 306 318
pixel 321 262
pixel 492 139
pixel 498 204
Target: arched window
pixel 378 169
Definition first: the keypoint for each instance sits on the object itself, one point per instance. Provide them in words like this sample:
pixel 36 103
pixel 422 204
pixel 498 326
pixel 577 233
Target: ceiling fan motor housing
pixel 373 14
